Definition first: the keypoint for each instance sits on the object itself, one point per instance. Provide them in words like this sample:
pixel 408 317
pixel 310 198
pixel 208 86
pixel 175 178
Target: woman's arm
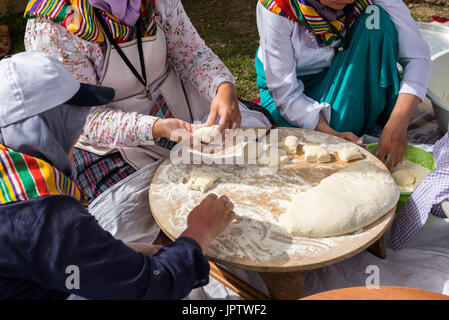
pixel 414 56
pixel 84 60
pixel 195 62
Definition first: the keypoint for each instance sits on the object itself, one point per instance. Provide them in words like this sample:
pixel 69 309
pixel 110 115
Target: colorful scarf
pixel 23 177
pixel 303 12
pixel 77 16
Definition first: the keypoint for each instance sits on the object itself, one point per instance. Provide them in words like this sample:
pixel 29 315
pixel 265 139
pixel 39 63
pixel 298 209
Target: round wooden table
pixel 382 293
pixel 255 241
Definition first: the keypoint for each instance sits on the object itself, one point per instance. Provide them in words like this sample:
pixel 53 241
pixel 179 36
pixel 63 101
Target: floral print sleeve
pixel 84 60
pixel 196 64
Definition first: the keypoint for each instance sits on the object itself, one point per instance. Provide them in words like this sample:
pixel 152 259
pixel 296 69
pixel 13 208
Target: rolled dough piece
pixel 290 144
pixel 316 154
pixel 200 181
pixel 274 157
pixel 207 134
pixel 349 153
pixel 403 177
pixel 344 202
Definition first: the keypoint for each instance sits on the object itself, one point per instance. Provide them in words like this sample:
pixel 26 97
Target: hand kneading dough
pixel 344 202
pixel 200 181
pixel 316 154
pixel 403 177
pixel 274 157
pixel 349 154
pixel 207 134
pixel 290 144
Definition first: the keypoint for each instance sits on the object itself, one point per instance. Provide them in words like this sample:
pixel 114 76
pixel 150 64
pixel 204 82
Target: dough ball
pixel 350 153
pixel 252 150
pixel 200 181
pixel 274 157
pixel 290 144
pixel 208 134
pixel 344 202
pixel 316 154
pixel 403 177
pixel 418 171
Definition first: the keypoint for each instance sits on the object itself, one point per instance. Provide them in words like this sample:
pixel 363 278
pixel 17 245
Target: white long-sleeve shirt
pixel 288 49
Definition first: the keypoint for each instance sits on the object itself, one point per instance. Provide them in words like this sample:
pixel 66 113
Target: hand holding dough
pixel 290 144
pixel 200 181
pixel 349 153
pixel 316 154
pixel 207 134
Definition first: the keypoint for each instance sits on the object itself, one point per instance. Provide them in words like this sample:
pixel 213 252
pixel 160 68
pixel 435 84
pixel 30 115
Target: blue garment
pixel 40 238
pixel 362 83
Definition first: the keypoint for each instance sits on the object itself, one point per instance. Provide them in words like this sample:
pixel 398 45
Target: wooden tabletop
pixel 382 293
pixel 255 241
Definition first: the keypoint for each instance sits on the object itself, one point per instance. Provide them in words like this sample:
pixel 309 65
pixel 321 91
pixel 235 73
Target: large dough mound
pixel 342 203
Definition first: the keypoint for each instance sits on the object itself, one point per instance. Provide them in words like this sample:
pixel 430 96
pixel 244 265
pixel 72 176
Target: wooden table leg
pixel 378 248
pixel 284 285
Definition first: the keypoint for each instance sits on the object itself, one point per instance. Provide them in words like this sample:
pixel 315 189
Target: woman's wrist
pixel 403 111
pixel 158 128
pixel 228 88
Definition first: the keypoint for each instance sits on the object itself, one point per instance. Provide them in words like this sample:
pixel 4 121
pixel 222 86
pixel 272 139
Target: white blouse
pixel 288 49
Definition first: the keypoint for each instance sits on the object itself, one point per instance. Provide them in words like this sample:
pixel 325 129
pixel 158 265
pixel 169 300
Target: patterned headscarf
pixel 316 17
pixel 77 16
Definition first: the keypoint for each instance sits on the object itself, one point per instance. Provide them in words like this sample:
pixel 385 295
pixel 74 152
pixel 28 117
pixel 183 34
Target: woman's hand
pixel 324 127
pixel 144 248
pixel 207 220
pixel 225 105
pixel 393 140
pixel 392 144
pixel 174 129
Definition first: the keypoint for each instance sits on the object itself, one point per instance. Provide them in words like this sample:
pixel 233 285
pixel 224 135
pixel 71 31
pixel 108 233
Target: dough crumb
pixel 316 154
pixel 290 145
pixel 350 153
pixel 200 181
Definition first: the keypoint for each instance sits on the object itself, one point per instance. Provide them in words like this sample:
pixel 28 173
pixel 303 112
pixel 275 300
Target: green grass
pixel 229 28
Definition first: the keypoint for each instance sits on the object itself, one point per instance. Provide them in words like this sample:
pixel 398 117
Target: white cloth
pixel 287 49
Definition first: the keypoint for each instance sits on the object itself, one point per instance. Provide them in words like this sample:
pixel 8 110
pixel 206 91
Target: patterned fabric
pixel 23 177
pixel 96 174
pixel 301 11
pixel 427 198
pixel 77 16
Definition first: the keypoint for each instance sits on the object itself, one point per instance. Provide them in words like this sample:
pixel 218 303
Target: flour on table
pixel 259 200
